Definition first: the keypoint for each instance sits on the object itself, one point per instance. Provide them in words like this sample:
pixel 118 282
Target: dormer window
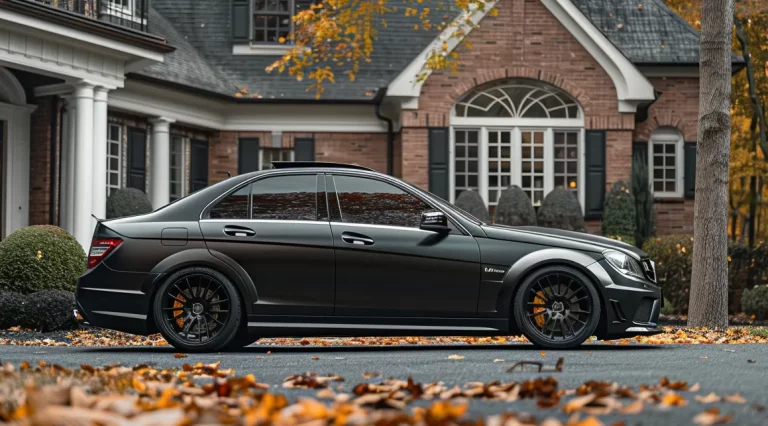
pixel 259 25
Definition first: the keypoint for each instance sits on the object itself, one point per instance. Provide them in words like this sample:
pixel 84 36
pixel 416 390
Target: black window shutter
pixel 241 20
pixel 640 151
pixel 438 161
pixel 595 174
pixel 689 172
pixel 137 159
pixel 248 155
pixel 304 149
pixel 198 166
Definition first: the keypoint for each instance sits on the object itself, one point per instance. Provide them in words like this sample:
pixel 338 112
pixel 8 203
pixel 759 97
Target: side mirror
pixel 434 221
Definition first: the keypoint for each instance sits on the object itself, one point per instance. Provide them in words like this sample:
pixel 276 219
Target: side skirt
pixel 296 326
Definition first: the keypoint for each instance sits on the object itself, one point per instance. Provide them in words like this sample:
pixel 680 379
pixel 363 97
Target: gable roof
pixel 204 60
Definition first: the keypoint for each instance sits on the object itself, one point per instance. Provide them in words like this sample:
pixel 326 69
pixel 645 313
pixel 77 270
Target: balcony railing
pixel 126 13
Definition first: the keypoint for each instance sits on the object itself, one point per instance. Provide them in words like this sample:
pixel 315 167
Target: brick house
pixel 97 95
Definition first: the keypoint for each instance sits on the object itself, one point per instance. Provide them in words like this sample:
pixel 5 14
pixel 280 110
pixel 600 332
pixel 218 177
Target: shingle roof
pixel 201 31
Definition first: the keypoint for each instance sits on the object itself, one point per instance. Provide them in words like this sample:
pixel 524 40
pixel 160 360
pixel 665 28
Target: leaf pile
pixel 207 394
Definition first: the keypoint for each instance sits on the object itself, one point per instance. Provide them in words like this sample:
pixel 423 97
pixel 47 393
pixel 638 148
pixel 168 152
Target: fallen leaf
pixel 673 399
pixel 498 360
pixel 751 361
pixel 179 355
pixel 711 417
pixel 455 357
pixel 315 358
pixel 735 398
pixel 543 354
pixel 709 399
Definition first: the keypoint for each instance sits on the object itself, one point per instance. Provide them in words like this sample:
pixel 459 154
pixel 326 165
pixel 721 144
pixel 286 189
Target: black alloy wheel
pixel 198 309
pixel 557 307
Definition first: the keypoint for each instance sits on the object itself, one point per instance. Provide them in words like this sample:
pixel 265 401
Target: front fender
pixel 203 257
pixel 535 260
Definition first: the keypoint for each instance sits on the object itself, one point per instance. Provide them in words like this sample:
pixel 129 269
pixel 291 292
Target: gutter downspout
pixel 390 129
pixel 642 112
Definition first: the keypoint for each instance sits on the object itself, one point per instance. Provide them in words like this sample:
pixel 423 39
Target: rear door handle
pixel 357 239
pixel 238 231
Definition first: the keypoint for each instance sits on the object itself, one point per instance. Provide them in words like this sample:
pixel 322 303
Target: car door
pixel 274 229
pixel 385 265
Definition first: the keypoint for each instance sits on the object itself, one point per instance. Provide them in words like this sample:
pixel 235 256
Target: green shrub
pixel 755 302
pixel 12 309
pixel 668 308
pixel 514 208
pixel 619 213
pixel 472 203
pixel 50 310
pixel 645 216
pixel 41 257
pixel 560 209
pixel 673 257
pixel 127 202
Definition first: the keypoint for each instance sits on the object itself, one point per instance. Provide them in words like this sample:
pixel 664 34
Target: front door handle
pixel 358 239
pixel 238 231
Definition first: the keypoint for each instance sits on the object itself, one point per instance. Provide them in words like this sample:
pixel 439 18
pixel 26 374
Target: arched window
pixel 517 132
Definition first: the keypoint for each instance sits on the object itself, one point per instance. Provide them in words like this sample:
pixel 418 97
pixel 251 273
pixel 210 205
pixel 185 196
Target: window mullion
pixel 549 161
pixel 482 167
pixel 517 155
pixel 451 165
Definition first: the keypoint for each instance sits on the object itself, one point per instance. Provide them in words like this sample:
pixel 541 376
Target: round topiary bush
pixel 754 301
pixel 40 257
pixel 560 209
pixel 13 309
pixel 619 215
pixel 514 208
pixel 50 310
pixel 472 203
pixel 127 202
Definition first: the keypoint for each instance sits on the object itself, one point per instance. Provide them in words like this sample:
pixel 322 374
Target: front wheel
pixel 198 310
pixel 557 307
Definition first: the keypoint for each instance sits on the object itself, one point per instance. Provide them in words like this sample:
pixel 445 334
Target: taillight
pixel 100 248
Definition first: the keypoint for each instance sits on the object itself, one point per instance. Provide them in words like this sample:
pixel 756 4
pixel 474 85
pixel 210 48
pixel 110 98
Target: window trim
pixel 119 157
pixel 182 164
pixel 668 135
pixel 252 15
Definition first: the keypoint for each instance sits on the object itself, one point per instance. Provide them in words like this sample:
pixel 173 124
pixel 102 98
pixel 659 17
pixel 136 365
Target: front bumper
pixel 631 307
pixel 113 299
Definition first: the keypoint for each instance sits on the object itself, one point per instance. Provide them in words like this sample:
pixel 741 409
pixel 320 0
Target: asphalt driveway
pixel 722 369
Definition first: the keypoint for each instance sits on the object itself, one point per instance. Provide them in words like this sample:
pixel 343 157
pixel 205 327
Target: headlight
pixel 625 264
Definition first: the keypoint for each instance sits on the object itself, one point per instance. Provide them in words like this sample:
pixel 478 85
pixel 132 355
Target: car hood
pixel 550 236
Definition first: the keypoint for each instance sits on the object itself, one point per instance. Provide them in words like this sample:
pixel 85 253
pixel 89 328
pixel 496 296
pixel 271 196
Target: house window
pixel 272 20
pixel 517 132
pixel 268 155
pixel 130 13
pixel 178 167
pixel 665 155
pixel 114 163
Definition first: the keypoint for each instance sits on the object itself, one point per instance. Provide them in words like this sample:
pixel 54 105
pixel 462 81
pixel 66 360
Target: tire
pixel 198 310
pixel 557 307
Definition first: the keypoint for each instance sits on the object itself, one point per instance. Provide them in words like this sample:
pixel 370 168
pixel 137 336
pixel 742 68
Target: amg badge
pixel 494 270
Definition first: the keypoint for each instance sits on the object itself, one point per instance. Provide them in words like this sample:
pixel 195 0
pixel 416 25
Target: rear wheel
pixel 557 307
pixel 198 310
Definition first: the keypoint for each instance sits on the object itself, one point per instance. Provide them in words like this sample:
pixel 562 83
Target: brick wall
pixel 40 163
pixel 365 149
pixel 618 156
pixel 678 106
pixel 674 217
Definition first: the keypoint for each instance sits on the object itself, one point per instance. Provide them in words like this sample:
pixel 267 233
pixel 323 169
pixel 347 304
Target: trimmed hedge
pixel 472 203
pixel 514 208
pixel 755 302
pixel 560 209
pixel 673 255
pixel 127 202
pixel 619 214
pixel 40 257
pixel 13 309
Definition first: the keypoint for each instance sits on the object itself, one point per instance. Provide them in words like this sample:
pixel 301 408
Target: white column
pixel 70 177
pixel 83 229
pixel 99 192
pixel 64 196
pixel 160 162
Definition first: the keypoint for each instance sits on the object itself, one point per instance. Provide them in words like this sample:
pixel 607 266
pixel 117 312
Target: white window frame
pixel 119 157
pixel 666 135
pixel 181 165
pixel 124 12
pixel 268 148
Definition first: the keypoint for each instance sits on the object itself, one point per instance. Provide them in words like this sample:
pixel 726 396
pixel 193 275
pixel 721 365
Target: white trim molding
pixel 667 136
pixel 11 90
pixel 260 49
pixel 14 196
pixel 632 87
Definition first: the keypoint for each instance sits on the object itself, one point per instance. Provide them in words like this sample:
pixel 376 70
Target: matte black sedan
pixel 319 249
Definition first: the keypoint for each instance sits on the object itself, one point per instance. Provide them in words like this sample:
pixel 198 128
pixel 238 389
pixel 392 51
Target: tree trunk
pixel 709 279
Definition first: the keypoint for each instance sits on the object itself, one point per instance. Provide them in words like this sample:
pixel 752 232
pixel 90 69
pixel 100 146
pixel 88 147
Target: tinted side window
pixel 285 198
pixel 374 202
pixel 235 206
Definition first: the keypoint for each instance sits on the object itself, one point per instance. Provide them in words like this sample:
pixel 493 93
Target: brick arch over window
pixel 664 119
pixel 483 77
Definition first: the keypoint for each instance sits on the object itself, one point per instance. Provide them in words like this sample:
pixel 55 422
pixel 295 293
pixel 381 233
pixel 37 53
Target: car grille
pixel 644 311
pixel 649 269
